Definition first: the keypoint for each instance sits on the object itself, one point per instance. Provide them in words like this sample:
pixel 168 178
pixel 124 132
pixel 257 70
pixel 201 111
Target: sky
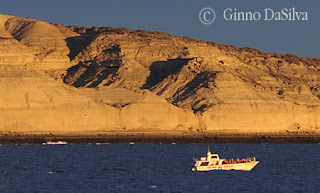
pixel 181 18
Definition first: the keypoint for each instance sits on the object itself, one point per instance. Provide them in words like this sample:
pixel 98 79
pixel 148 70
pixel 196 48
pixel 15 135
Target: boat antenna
pixel 208 147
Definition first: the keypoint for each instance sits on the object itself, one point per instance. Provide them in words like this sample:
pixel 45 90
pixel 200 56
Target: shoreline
pixel 156 138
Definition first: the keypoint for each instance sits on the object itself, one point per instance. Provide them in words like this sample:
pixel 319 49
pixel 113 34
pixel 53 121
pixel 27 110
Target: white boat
pixel 55 143
pixel 213 162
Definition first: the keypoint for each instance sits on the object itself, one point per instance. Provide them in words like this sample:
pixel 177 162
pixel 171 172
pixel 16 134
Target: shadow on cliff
pixel 160 70
pixel 78 43
pixel 91 74
pixel 203 80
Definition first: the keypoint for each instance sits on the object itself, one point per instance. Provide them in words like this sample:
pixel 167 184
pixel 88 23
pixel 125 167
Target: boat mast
pixel 208 154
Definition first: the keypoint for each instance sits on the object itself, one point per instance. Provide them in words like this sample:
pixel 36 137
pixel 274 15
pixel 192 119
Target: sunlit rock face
pixel 70 79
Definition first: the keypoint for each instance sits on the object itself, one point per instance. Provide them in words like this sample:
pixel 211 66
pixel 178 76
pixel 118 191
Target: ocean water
pixel 156 168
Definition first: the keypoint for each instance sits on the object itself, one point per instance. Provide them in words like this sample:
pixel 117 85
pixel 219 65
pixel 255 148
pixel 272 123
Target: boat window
pixel 204 163
pixel 214 156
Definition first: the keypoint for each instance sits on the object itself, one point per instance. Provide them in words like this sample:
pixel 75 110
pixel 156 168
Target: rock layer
pixel 70 79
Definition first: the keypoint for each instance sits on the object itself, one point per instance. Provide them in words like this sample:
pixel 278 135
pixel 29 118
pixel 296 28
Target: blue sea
pixel 156 168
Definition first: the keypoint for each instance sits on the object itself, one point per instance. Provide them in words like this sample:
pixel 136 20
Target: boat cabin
pixel 212 156
pixel 211 159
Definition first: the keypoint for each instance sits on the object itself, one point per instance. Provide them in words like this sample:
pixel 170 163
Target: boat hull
pixel 239 166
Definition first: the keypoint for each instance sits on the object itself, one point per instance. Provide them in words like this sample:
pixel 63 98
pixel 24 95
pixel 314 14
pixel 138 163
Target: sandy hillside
pixel 70 79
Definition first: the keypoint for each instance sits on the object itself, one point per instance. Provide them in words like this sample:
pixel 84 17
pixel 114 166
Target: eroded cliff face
pixel 59 78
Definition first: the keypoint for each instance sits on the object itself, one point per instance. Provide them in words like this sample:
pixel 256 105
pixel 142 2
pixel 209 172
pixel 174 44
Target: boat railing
pixel 252 158
pixel 234 161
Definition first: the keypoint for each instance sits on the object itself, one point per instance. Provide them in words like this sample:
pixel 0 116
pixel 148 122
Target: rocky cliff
pixel 70 79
